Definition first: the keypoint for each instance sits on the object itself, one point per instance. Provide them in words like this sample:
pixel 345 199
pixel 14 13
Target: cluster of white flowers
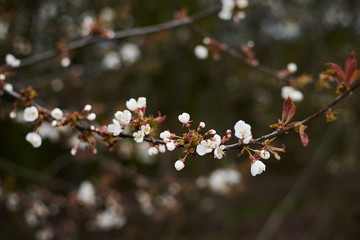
pixel 201 52
pixel 34 139
pixel 128 53
pixel 12 61
pixel 122 118
pixel 228 8
pixel 111 218
pixel 166 136
pixel 86 193
pixel 133 104
pixel 294 94
pixel 209 145
pixel 243 131
pixel 222 180
pixel 90 116
pixel 257 167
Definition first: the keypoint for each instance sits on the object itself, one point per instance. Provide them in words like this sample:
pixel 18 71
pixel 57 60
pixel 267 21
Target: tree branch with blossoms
pixel 195 142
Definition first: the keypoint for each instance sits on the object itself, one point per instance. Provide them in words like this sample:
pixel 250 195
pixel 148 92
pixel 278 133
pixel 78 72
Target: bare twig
pixel 123 34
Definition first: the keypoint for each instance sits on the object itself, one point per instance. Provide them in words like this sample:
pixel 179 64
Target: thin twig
pixel 123 34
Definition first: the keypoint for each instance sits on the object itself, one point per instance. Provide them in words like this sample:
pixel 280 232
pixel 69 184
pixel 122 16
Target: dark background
pixel 311 193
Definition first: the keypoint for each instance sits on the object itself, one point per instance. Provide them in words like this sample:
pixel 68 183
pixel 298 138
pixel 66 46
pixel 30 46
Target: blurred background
pixel 311 193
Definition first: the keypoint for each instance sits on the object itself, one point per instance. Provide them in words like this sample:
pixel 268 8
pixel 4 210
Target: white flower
pixel 12 61
pixel 115 128
pixel 170 146
pixel 165 135
pixel 65 62
pixel 219 152
pixel 292 67
pixel 179 165
pixel 8 87
pixel 243 131
pixel 57 113
pixel 264 154
pixel 221 180
pixel 205 146
pixel 86 25
pixel 257 167
pixel 226 9
pixel 184 117
pixel 13 114
pixel 2 76
pixel 87 107
pixel 34 139
pixel 133 104
pixel 91 117
pixel 86 193
pixel 212 132
pixel 242 3
pixel 201 52
pixel 294 94
pixel 202 124
pixel 111 60
pixel 153 151
pixel 145 129
pixel 111 218
pixel 31 114
pixel 141 102
pixel 123 117
pixel 162 148
pixel 130 52
pixel 138 136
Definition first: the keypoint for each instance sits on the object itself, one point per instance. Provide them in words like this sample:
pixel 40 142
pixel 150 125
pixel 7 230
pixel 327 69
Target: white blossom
pixel 153 151
pixel 133 104
pixel 110 218
pixel 294 94
pixel 65 62
pixel 2 76
pixel 170 146
pixel 91 117
pixel 243 131
pixel 219 152
pixel 202 124
pixel 184 117
pixel 205 146
pixel 257 167
pixel 201 52
pixel 111 60
pixel 34 139
pixel 221 180
pixel 179 165
pixel 12 61
pixel 165 135
pixel 31 114
pixel 264 154
pixel 162 148
pixel 115 128
pixel 138 136
pixel 226 9
pixel 57 113
pixel 87 108
pixel 145 129
pixel 242 3
pixel 86 193
pixel 292 67
pixel 130 52
pixel 8 87
pixel 123 117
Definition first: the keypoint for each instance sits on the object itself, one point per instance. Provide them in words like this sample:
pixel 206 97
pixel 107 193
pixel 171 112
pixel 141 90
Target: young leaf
pixel 350 66
pixel 339 71
pixel 289 110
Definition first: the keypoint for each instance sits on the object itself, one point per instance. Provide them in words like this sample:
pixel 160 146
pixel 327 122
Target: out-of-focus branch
pixel 123 34
pixel 239 56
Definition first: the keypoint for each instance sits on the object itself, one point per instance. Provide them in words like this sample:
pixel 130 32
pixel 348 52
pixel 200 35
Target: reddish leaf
pixel 350 66
pixel 303 136
pixel 338 70
pixel 355 76
pixel 289 110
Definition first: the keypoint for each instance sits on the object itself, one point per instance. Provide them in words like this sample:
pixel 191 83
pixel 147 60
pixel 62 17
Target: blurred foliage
pixel 307 32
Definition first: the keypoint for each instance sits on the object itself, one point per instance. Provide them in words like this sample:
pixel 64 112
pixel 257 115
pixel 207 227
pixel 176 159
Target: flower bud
pixel 179 164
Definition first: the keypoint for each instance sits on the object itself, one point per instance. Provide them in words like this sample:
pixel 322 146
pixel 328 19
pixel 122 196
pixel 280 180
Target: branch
pixel 276 133
pixel 123 34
